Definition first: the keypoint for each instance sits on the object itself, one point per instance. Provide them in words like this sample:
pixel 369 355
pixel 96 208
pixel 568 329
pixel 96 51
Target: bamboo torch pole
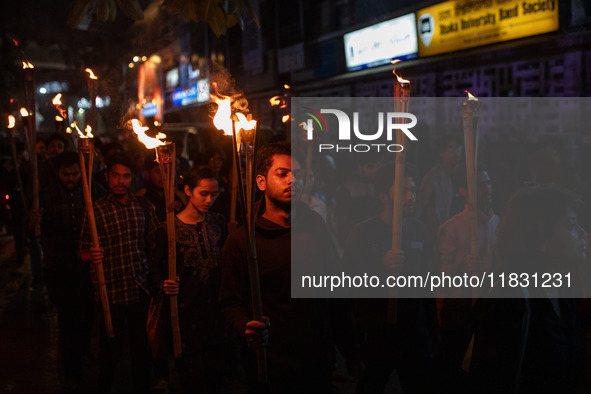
pixel 165 154
pixel 470 110
pixel 248 142
pixel 12 143
pixel 401 103
pixel 30 135
pixel 86 146
pixel 92 81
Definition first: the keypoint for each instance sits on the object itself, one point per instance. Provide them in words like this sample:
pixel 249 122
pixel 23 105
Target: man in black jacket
pixel 298 333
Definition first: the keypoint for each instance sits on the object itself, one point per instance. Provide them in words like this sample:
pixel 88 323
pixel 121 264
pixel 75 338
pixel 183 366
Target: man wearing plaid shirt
pixel 126 226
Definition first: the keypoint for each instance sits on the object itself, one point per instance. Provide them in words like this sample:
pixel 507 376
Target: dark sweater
pixel 302 331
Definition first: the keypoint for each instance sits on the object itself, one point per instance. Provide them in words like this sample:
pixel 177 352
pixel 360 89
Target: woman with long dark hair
pixel 200 235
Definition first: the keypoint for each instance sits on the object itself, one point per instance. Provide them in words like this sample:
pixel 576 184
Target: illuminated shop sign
pixel 461 24
pixel 195 93
pixel 381 43
pixel 149 109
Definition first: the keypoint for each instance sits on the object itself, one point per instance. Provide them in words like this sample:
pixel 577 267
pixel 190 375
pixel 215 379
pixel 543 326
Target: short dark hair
pixel 194 176
pixel 66 159
pixel 122 159
pixel 57 137
pixel 442 142
pixel 385 176
pixel 266 153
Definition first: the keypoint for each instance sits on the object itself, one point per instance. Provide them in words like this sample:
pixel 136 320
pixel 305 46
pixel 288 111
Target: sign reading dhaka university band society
pixel 455 25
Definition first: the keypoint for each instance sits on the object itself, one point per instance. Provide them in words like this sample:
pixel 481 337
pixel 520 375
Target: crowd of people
pixel 528 343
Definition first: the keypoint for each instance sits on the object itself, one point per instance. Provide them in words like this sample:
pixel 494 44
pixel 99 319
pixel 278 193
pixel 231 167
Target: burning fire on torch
pixel 27 65
pixel 148 141
pixel 90 74
pixel 88 131
pixel 223 116
pixel 400 79
pixel 58 104
pixel 24 112
pixel 282 103
pixel 11 121
pixel 470 96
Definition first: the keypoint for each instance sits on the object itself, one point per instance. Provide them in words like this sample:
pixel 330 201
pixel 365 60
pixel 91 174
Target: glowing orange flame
pixel 88 131
pixel 148 141
pixel 11 121
pixel 223 116
pixel 68 130
pixel 285 118
pixel 15 42
pixel 470 96
pixel 80 133
pixel 58 102
pixel 275 100
pixel 24 112
pixel 57 99
pixel 59 118
pixel 243 123
pixel 286 86
pixel 27 65
pixel 401 80
pixel 90 74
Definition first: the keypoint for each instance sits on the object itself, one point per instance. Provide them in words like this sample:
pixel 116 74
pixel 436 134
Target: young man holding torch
pixel 126 226
pixel 67 280
pixel 298 333
pixel 408 344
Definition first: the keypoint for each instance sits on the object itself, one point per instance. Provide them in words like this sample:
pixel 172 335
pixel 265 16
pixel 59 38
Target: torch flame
pixel 57 99
pixel 80 133
pixel 243 123
pixel 285 118
pixel 223 116
pixel 286 86
pixel 27 65
pixel 24 112
pixel 275 100
pixel 15 42
pixel 59 118
pixel 58 102
pixel 401 80
pixel 87 130
pixel 470 96
pixel 148 141
pixel 11 121
pixel 90 74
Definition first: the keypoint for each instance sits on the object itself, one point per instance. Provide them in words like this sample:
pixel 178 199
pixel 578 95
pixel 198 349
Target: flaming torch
pixel 19 181
pixel 401 103
pixel 92 93
pixel 284 104
pixel 165 155
pixel 86 149
pixel 60 120
pixel 29 82
pixel 243 133
pixel 31 143
pixel 470 110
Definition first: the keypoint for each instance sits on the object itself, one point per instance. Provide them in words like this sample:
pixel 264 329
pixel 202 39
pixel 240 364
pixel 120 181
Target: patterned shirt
pixel 125 232
pixel 198 255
